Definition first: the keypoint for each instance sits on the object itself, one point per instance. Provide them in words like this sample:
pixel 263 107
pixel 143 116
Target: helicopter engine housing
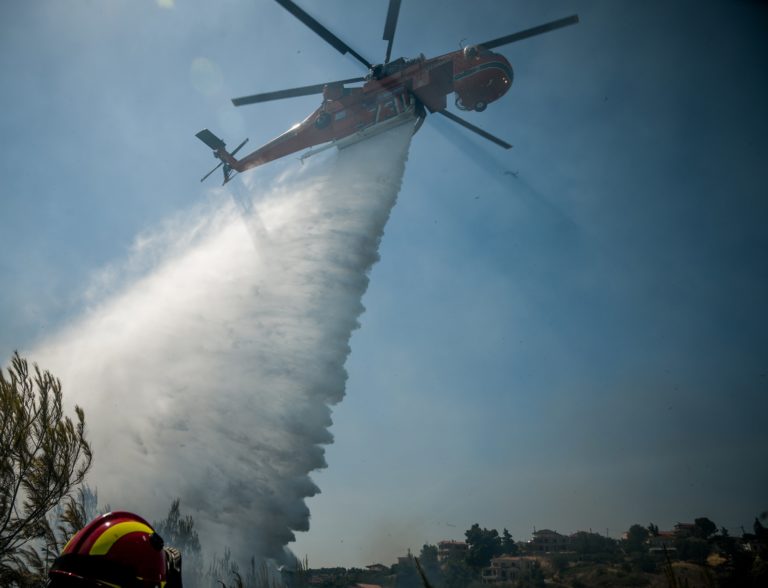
pixel 480 77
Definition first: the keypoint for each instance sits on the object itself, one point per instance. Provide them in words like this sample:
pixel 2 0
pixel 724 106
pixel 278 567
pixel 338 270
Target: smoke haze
pixel 210 375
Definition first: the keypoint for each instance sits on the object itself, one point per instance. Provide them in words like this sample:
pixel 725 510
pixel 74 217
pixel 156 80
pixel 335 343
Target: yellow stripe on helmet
pixel 108 538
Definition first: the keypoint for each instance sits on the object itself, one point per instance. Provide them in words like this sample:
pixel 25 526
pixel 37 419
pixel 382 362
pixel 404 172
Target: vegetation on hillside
pixel 44 456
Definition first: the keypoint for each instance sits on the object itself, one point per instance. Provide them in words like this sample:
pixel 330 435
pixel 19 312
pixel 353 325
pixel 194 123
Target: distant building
pixel 683 530
pixel 662 544
pixel 325 576
pixel 448 549
pixel 507 568
pixel 547 541
pixel 377 568
pixel 663 539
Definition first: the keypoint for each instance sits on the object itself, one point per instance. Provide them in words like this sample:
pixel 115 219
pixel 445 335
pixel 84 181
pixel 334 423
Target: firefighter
pixel 116 550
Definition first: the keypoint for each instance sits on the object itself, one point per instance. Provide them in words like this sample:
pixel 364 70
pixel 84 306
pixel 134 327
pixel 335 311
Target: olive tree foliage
pixel 43 456
pixel 704 528
pixel 179 531
pixel 508 545
pixel 66 519
pixel 429 562
pixel 636 536
pixel 256 576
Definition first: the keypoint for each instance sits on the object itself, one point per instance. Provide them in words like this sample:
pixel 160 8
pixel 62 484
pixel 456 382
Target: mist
pixel 209 372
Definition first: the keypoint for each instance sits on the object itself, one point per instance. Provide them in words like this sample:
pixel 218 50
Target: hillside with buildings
pixel 689 555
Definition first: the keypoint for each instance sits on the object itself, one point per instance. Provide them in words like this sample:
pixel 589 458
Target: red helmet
pixel 116 550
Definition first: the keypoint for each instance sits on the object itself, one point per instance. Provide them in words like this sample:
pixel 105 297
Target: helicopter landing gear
pixel 479 106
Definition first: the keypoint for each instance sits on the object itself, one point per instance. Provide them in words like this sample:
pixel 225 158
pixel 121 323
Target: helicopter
pixel 393 93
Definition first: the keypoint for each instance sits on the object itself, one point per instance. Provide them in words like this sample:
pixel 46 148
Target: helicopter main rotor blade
pixel 390 26
pixel 290 93
pixel 326 35
pixel 545 28
pixel 474 129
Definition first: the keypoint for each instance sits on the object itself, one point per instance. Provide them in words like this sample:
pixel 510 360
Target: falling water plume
pixel 211 375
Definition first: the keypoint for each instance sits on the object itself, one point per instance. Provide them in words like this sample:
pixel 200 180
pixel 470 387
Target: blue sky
pixel 581 347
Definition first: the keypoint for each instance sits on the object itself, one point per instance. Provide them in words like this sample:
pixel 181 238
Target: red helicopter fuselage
pixel 393 94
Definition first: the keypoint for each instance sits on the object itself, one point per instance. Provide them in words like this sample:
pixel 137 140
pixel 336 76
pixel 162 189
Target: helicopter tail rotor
pixel 220 152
